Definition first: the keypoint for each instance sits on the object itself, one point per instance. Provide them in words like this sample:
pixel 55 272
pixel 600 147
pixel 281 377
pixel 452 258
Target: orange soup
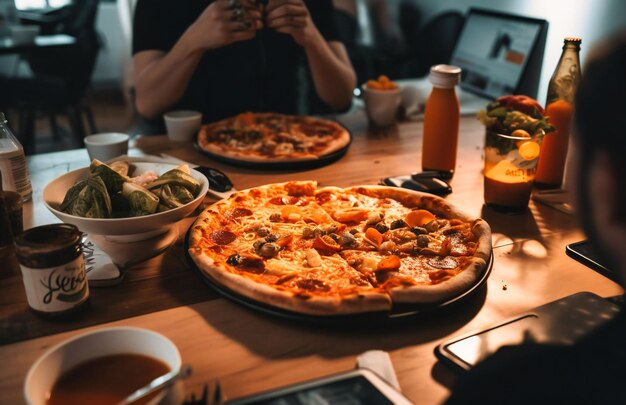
pixel 106 380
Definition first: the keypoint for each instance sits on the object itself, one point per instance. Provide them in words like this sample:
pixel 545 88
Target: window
pixel 40 4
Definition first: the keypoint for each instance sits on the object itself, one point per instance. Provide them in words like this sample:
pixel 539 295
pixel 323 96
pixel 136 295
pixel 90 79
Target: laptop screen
pixel 494 49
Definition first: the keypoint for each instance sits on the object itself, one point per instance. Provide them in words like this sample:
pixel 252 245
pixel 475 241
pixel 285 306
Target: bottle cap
pixel 573 39
pixel 445 75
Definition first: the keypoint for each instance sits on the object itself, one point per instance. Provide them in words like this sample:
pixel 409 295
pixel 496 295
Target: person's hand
pixel 225 22
pixel 291 17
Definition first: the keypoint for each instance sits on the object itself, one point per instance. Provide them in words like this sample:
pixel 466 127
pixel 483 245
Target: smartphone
pixel 585 253
pixel 360 386
pixel 432 185
pixel 560 322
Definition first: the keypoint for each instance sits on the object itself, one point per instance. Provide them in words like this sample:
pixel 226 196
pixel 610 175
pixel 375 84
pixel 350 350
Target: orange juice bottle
pixel 441 121
pixel 559 109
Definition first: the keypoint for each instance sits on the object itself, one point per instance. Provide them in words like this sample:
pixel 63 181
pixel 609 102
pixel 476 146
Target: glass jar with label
pixel 53 268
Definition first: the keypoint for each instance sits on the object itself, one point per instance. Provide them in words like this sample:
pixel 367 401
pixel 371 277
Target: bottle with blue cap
pixel 441 121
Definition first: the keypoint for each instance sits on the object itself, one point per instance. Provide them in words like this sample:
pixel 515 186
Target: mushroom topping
pixel 263 231
pixel 422 241
pixel 268 249
pixel 398 223
pixel 380 227
pixel 432 226
pixel 347 240
pixel 275 217
pixel 272 237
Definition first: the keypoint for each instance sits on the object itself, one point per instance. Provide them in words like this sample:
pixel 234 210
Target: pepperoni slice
pixel 251 265
pixel 222 237
pixel 313 285
pixel 443 262
pixel 238 213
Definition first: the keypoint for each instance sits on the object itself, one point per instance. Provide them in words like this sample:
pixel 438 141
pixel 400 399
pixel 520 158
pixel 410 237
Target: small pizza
pixel 330 251
pixel 270 137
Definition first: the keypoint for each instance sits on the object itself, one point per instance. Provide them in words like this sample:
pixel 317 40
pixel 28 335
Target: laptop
pixel 499 54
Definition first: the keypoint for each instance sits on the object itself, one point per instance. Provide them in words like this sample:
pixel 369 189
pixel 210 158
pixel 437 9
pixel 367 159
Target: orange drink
pixel 554 150
pixel 510 165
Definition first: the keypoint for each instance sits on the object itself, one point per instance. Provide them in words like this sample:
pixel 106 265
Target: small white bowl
pixel 106 146
pixel 182 125
pixel 133 228
pixel 381 106
pixel 120 340
pixel 24 34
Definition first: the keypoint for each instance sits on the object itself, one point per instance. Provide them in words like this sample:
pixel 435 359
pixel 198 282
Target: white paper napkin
pixel 379 362
pixel 100 269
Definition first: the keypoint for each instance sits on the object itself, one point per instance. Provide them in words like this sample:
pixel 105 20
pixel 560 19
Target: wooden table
pixel 248 351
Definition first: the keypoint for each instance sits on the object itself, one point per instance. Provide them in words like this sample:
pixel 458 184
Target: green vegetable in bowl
pixel 112 179
pixel 141 200
pixel 176 177
pixel 88 198
pixel 109 192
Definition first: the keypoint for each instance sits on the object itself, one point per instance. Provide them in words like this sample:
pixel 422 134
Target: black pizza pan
pixel 396 314
pixel 304 164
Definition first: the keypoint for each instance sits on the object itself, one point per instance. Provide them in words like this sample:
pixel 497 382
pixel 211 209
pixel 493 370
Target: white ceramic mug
pixel 120 340
pixel 106 146
pixel 381 106
pixel 182 125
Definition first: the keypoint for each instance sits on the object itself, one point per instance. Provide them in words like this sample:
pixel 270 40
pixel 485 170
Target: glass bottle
pixel 8 261
pixel 559 109
pixel 441 121
pixel 13 162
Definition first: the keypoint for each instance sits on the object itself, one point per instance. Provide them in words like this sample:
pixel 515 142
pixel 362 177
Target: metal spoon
pixel 156 384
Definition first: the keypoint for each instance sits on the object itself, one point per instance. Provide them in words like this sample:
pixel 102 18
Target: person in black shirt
pixel 592 371
pixel 224 57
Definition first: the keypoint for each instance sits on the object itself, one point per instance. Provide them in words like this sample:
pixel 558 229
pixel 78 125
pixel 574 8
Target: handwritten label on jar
pixel 56 289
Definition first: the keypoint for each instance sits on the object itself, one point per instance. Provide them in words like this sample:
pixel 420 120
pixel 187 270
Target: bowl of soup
pixel 103 367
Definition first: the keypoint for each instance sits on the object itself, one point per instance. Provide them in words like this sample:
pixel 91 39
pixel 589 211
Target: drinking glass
pixel 510 166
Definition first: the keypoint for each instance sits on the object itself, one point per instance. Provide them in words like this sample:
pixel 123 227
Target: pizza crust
pixel 313 305
pixel 431 294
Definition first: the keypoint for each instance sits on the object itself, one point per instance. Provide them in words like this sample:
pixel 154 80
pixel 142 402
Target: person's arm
pixel 161 78
pixel 333 75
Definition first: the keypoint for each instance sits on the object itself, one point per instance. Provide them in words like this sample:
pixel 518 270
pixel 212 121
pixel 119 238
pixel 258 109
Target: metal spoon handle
pixel 156 384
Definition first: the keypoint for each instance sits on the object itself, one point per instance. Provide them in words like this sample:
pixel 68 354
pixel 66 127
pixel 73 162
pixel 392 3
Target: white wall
pixel 591 20
pixel 112 54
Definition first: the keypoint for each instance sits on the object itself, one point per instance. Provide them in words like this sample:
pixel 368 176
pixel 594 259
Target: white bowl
pixel 381 106
pixel 24 34
pixel 182 125
pixel 120 340
pixel 128 229
pixel 106 146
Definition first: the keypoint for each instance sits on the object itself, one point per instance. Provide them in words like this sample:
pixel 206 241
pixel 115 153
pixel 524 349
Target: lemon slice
pixel 529 150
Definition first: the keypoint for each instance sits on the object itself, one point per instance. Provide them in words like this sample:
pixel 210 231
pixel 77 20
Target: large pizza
pixel 330 251
pixel 271 137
